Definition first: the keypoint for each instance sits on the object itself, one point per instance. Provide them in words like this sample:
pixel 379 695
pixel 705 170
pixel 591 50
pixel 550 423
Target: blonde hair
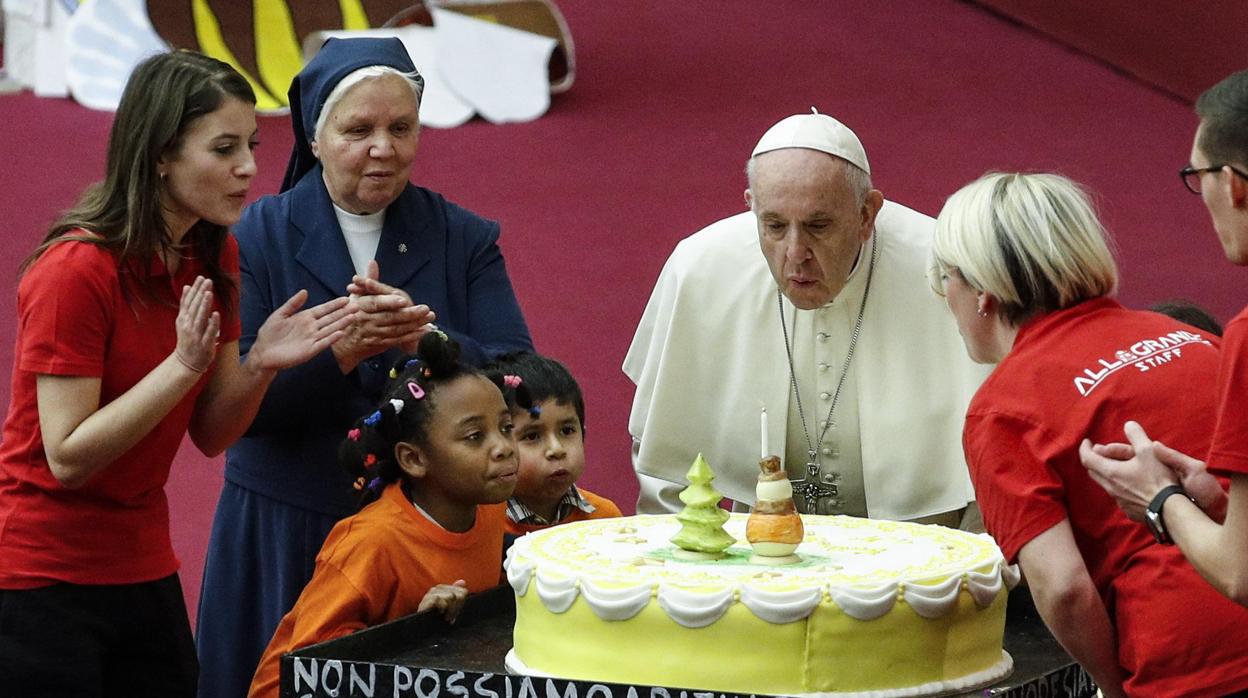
pixel 1031 240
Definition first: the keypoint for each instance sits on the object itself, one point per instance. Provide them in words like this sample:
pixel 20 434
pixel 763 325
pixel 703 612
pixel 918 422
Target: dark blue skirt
pixel 260 556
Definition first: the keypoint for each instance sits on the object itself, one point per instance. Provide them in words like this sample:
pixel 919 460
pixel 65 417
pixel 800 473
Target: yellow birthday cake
pixel 879 608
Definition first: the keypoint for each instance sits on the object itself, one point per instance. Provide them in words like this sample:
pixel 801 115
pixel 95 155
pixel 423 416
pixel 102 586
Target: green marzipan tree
pixel 702 519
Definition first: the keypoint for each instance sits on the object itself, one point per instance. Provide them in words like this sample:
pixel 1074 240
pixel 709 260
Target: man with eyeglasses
pixel 1191 175
pixel 1143 475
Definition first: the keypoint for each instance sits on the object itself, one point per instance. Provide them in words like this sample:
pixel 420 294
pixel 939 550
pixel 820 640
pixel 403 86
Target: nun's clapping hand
pixel 385 317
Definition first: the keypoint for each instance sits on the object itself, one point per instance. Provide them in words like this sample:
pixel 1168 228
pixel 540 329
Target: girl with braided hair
pixel 434 463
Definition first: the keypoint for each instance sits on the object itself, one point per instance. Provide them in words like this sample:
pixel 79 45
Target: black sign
pixel 1069 682
pixel 336 678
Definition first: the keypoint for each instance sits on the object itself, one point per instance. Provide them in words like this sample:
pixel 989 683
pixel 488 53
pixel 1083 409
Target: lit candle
pixel 763 427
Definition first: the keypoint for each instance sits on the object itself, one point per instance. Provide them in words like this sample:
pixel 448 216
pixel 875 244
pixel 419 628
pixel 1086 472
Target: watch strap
pixel 1156 523
pixel 1159 500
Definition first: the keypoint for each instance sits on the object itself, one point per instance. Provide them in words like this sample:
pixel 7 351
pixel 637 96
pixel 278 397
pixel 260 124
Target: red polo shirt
pixel 1083 372
pixel 74 320
pixel 1229 453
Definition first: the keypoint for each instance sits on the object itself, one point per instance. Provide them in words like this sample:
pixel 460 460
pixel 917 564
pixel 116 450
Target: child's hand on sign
pixel 447 598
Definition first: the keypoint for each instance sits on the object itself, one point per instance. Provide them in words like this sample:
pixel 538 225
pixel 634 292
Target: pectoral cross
pixel 810 488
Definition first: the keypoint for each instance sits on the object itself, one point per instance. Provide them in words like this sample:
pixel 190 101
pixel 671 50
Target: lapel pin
pixel 402 248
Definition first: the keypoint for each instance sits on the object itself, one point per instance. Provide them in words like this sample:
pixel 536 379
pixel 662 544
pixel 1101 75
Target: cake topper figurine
pixel 701 535
pixel 774 528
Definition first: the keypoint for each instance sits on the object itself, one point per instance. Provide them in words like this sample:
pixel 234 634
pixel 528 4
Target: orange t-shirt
pixel 603 509
pixel 376 566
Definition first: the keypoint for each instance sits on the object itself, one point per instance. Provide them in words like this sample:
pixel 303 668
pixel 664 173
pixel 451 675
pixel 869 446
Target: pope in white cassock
pixel 816 306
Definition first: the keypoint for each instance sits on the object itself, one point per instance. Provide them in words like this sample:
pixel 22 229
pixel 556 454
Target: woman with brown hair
pixel 127 340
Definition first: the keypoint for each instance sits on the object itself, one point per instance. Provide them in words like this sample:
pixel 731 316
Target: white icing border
pixel 865 603
pixel 970 682
pixel 615 603
pixel 935 599
pixel 1012 575
pixel 557 593
pixel 518 572
pixel 781 607
pixel 985 587
pixel 693 609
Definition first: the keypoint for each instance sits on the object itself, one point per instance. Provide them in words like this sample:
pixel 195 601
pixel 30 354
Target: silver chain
pixel 849 357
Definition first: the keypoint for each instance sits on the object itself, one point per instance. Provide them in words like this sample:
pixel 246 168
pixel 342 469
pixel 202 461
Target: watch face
pixel 1152 519
pixel 1152 515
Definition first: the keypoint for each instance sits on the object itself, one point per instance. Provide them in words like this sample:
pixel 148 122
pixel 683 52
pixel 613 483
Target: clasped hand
pixel 385 317
pixel 1134 472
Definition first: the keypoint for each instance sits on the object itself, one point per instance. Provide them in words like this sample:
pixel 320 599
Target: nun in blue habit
pixel 347 210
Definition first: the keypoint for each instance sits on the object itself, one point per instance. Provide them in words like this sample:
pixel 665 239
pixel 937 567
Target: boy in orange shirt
pixel 550 441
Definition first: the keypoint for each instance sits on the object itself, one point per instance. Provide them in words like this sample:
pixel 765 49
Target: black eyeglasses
pixel 1191 175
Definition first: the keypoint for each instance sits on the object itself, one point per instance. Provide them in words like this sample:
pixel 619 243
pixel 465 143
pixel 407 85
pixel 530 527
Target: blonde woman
pixel 1027 271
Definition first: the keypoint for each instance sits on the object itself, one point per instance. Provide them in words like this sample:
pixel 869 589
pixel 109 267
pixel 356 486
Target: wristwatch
pixel 1152 515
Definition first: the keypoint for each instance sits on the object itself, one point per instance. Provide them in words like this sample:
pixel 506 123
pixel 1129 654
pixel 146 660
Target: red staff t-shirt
pixel 75 320
pixel 1229 453
pixel 1083 372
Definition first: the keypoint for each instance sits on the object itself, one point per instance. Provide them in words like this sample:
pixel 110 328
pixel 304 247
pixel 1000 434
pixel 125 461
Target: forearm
pixel 226 410
pixel 113 429
pixel 1218 552
pixel 1214 506
pixel 289 337
pixel 1070 605
pixel 1078 619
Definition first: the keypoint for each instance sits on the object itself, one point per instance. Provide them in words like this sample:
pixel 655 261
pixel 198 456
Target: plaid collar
pixel 572 499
